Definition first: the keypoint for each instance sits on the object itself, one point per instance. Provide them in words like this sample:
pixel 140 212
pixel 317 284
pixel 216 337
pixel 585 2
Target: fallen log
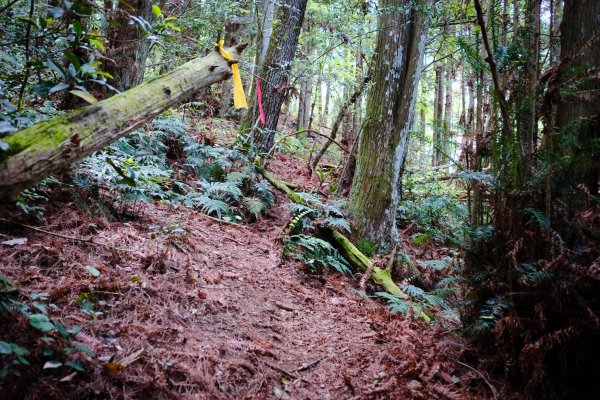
pixel 49 147
pixel 380 276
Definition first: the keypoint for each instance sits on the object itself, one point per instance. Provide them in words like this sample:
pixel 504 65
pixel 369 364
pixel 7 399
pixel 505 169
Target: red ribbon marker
pixel 261 111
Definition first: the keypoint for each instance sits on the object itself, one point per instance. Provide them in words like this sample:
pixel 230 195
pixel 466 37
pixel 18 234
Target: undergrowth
pixel 166 163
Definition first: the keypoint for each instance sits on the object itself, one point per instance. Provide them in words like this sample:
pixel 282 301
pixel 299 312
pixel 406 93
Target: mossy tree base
pixel 380 276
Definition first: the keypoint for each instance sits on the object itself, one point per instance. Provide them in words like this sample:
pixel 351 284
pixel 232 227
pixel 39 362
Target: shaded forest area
pixel 300 199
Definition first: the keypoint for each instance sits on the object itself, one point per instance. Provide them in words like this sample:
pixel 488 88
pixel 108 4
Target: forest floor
pixel 187 307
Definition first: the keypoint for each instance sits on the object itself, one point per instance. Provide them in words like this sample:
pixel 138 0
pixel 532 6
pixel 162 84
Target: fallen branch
pixel 49 147
pixel 58 235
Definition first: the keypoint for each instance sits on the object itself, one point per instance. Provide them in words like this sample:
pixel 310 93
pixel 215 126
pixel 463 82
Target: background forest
pixel 446 151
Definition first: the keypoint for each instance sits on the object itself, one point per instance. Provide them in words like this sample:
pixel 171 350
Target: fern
pixel 319 254
pixel 395 304
pixel 253 206
pixel 210 206
pixel 263 190
pixel 222 190
pixel 537 216
pixel 337 223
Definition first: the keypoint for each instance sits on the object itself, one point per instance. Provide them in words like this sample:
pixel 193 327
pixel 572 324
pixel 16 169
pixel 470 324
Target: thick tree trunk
pixel 577 110
pixel 127 47
pixel 396 72
pixel 275 70
pixel 49 147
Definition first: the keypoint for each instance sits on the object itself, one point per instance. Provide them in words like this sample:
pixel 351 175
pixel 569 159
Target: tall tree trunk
pixel 127 47
pixel 448 145
pixel 356 115
pixel 578 114
pixel 324 115
pixel 438 113
pixel 396 72
pixel 304 104
pixel 275 70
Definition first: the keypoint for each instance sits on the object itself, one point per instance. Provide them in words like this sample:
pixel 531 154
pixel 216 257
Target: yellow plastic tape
pixel 239 98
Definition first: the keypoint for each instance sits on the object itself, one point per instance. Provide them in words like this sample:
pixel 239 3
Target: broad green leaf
pixel 75 366
pixel 41 322
pixel 5 348
pixel 86 96
pixel 156 10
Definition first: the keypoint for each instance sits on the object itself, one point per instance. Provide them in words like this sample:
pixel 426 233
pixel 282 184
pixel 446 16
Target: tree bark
pixel 577 106
pixel 275 71
pixel 127 47
pixel 48 147
pixel 396 72
pixel 438 113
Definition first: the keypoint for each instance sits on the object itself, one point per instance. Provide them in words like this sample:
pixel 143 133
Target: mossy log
pixel 380 276
pixel 49 147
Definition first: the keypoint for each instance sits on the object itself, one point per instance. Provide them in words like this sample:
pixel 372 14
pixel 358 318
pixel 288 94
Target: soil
pixel 205 310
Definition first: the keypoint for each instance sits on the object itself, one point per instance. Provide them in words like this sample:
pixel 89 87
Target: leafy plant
pixel 36 309
pixel 316 253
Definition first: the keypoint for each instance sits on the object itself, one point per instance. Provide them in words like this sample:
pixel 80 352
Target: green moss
pixel 367 247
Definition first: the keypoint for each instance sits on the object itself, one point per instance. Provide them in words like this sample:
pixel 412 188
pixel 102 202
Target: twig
pixel 286 372
pixel 225 221
pixel 482 377
pixel 58 235
pixel 306 366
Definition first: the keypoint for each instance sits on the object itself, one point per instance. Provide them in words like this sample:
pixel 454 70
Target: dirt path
pixel 219 315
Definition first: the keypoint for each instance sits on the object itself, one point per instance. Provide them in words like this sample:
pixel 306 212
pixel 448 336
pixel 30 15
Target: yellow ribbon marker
pixel 239 98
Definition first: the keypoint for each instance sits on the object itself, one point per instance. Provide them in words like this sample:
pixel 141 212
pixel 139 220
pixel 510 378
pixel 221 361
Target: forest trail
pixel 219 314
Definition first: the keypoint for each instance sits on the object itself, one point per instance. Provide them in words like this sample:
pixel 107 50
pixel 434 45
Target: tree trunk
pixel 448 145
pixel 577 106
pixel 324 116
pixel 127 46
pixel 275 71
pixel 438 112
pixel 48 147
pixel 396 72
pixel 338 121
pixel 304 103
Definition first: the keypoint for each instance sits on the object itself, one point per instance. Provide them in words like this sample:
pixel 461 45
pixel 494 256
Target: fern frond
pixel 263 189
pixel 395 304
pixel 210 206
pixel 337 223
pixel 222 189
pixel 253 205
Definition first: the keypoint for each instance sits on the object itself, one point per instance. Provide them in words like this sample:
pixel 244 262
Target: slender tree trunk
pixel 438 113
pixel 356 115
pixel 397 68
pixel 448 145
pixel 324 115
pixel 338 121
pixel 275 70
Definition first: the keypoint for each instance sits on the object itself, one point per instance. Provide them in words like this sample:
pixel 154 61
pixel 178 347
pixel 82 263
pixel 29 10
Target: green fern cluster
pixel 317 214
pixel 316 253
pixel 303 244
pixel 143 166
